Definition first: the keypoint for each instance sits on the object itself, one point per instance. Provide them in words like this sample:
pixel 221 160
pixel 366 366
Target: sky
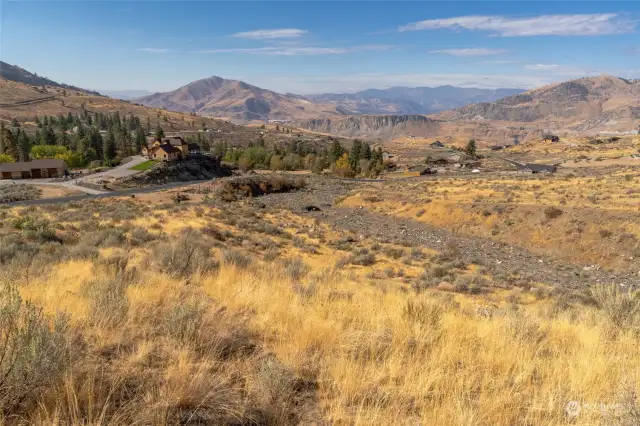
pixel 307 47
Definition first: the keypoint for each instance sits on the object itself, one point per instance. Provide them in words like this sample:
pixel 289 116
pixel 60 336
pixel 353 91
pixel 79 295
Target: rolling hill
pixel 410 100
pixel 588 105
pixel 218 97
pixel 585 106
pixel 20 75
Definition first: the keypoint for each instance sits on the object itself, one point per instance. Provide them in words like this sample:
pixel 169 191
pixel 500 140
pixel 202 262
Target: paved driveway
pixel 122 170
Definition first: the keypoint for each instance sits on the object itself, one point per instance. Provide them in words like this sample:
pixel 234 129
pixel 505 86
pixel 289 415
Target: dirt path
pixel 498 257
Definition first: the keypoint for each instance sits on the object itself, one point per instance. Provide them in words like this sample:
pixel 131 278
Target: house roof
pixel 174 140
pixel 45 163
pixel 169 149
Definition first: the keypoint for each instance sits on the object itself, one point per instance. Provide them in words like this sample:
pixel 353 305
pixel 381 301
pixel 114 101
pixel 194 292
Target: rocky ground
pixel 509 261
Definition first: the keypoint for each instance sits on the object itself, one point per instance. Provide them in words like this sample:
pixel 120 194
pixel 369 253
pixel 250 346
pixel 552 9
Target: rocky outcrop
pixel 374 126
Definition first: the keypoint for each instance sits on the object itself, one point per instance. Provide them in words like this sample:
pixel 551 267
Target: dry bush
pixel 622 307
pixel 33 351
pixel 187 256
pixel 552 212
pixel 294 269
pixel 18 192
pixel 252 186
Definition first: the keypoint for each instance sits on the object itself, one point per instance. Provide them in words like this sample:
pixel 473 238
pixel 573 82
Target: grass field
pixel 231 313
pixel 145 166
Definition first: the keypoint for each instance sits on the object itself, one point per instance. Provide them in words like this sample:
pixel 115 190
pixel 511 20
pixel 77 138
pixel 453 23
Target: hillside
pixel 590 105
pixel 410 100
pixel 218 97
pixel 20 75
pixel 374 126
pixel 23 102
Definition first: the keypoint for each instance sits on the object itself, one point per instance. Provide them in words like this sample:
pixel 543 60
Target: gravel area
pixel 498 257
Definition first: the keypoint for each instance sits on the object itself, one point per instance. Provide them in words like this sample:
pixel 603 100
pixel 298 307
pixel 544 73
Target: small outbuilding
pixel 36 169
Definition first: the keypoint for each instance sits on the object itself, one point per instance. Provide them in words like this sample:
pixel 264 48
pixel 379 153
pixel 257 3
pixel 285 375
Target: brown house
pixel 36 169
pixel 175 141
pixel 165 152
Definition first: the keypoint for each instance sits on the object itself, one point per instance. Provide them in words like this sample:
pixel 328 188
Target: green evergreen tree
pixel 2 137
pixel 109 147
pixel 24 146
pixel 355 154
pixel 10 144
pixel 141 139
pixel 471 148
pixel 159 132
pixel 366 151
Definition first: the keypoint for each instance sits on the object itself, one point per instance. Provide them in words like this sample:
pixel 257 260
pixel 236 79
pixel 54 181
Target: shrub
pixel 295 269
pixel 620 306
pixel 108 301
pixel 367 259
pixel 18 192
pixel 33 347
pixel 184 320
pixel 552 212
pixel 186 256
pixel 232 257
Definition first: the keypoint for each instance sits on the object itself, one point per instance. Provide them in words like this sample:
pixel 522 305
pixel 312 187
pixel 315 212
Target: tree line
pixel 86 137
pixel 359 160
pixel 78 139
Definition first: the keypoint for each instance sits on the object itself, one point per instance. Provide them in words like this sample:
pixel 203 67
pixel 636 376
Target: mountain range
pixel 219 97
pixel 584 106
pixel 410 100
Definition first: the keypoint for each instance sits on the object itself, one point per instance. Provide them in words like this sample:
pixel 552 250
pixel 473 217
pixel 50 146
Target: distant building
pixel 165 152
pixel 194 149
pixel 36 169
pixel 176 142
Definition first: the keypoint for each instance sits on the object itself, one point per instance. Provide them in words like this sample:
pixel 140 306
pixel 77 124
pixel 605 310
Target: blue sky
pixel 313 47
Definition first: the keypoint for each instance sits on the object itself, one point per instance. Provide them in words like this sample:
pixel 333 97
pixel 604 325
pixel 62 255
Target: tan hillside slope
pixel 24 102
pixel 374 126
pixel 218 97
pixel 596 104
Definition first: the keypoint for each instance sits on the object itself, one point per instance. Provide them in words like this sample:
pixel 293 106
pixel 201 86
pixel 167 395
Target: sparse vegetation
pixel 18 192
pixel 244 312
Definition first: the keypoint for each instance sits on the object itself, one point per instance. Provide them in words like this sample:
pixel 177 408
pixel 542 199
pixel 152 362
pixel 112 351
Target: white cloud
pixel 301 51
pixel 153 50
pixel 541 67
pixel 562 25
pixel 477 51
pixel 271 34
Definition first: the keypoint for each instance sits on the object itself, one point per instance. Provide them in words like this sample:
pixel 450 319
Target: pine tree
pixel 24 146
pixel 159 132
pixel 10 144
pixel 366 151
pixel 335 152
pixel 355 154
pixel 471 148
pixel 1 137
pixel 109 147
pixel 141 140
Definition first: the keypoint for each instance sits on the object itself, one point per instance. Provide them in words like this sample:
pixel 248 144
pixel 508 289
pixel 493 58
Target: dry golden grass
pixel 598 221
pixel 270 341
